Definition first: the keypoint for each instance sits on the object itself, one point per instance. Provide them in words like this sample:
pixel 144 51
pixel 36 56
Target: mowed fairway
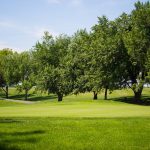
pixel 76 123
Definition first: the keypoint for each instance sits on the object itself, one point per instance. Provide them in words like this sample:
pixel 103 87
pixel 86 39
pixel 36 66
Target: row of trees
pixel 114 54
pixel 16 69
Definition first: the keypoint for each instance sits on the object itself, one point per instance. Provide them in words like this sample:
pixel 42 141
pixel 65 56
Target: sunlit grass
pixel 73 109
pixel 76 123
pixel 75 133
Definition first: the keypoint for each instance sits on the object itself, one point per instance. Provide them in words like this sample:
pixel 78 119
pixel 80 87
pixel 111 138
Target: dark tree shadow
pixel 17 96
pixel 9 121
pixel 6 147
pixel 16 137
pixel 22 133
pixel 33 97
pixel 42 98
pixel 130 100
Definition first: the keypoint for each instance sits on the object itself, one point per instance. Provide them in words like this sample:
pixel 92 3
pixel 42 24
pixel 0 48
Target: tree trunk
pixel 26 94
pixel 137 96
pixel 105 97
pixel 137 91
pixel 6 91
pixel 95 95
pixel 60 97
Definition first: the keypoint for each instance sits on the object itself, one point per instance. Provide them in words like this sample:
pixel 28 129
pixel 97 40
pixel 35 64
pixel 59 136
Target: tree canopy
pixel 115 54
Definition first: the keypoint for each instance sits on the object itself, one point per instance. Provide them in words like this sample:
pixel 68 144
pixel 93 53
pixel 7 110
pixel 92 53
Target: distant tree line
pixel 113 55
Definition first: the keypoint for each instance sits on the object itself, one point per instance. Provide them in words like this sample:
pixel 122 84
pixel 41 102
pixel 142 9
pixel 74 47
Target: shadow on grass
pixel 130 100
pixel 2 95
pixel 22 133
pixel 33 97
pixel 17 97
pixel 42 98
pixel 6 147
pixel 9 121
pixel 9 141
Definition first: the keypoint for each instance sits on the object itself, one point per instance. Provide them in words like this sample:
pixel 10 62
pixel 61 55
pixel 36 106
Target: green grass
pixel 77 123
pixel 74 109
pixel 75 133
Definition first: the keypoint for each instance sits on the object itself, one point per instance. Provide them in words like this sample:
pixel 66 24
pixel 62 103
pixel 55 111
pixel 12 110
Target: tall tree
pixel 79 60
pixel 106 50
pixel 53 75
pixel 135 30
pixel 25 72
pixel 8 73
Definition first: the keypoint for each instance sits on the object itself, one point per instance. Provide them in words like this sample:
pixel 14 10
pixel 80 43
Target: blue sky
pixel 23 22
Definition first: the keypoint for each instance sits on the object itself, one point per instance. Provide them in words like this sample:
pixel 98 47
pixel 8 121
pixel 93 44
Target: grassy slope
pixel 76 123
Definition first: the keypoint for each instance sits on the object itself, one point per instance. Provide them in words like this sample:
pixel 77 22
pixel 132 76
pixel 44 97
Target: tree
pixel 8 74
pixel 79 60
pixel 135 30
pixel 128 38
pixel 106 50
pixel 26 73
pixel 53 75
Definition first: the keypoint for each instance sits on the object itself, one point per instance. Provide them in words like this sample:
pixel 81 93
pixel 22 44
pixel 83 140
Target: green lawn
pixel 76 123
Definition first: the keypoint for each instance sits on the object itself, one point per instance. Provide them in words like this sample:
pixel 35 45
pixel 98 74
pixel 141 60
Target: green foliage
pixel 53 75
pixel 136 39
pixel 26 73
pixel 113 55
pixel 8 69
pixel 106 50
pixel 78 61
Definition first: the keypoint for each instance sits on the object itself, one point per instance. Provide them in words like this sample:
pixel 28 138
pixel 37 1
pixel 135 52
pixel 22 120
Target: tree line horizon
pixel 113 55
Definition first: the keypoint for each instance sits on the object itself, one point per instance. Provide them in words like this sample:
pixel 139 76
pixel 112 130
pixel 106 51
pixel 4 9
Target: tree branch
pixel 3 89
pixel 128 85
